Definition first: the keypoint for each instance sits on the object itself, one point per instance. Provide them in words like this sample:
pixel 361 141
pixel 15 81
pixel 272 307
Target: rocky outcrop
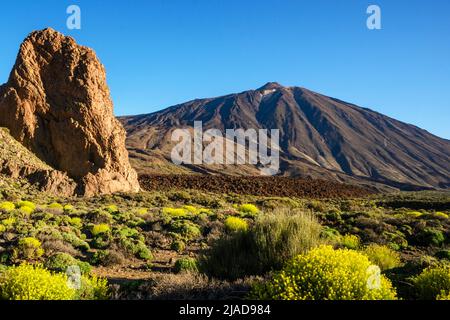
pixel 17 162
pixel 57 104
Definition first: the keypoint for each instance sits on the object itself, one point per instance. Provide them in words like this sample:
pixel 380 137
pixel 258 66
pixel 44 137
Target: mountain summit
pixel 320 137
pixel 57 104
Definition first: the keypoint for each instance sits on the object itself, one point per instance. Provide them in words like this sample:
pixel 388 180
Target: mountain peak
pixel 271 86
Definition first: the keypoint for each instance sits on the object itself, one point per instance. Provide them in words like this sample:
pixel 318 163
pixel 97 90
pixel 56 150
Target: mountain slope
pixel 320 137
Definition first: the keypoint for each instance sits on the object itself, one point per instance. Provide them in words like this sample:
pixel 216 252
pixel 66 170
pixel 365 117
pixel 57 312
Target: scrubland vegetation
pixel 193 245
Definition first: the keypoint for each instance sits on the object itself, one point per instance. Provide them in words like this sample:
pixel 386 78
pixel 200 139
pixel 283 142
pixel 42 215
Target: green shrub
pixel 186 265
pixel 55 206
pixel 69 208
pixel 327 274
pixel 432 282
pixel 137 248
pixel 272 240
pixel 60 262
pixel 27 282
pixel 443 254
pixel 76 222
pixel 186 229
pixel 93 288
pixel 249 209
pixel 430 236
pixel 350 241
pixel 8 223
pixel 75 241
pixel 382 256
pixel 235 224
pixel 178 246
pixel 112 208
pixel 28 248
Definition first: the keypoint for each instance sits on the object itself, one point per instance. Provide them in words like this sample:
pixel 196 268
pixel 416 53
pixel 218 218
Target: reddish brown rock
pixel 57 104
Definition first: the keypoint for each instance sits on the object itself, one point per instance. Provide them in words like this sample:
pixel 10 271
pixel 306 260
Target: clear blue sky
pixel 162 52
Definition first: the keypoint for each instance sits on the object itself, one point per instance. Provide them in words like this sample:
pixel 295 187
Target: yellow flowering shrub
pixel 414 214
pixel 175 212
pixel 76 222
pixel 442 215
pixel 9 222
pixel 93 288
pixel 327 274
pixel 190 209
pixel 234 224
pixel 28 204
pixel 26 210
pixel 443 296
pixel 55 206
pixel 28 248
pixel 69 208
pixel 350 241
pixel 248 208
pixel 433 282
pixel 2 228
pixel 7 206
pixel 142 211
pixel 382 256
pixel 100 229
pixel 112 208
pixel 28 282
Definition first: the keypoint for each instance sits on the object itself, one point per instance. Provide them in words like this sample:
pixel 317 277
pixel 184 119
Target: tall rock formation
pixel 57 104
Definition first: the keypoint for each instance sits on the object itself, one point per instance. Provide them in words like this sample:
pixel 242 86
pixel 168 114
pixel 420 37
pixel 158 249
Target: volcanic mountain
pixel 320 137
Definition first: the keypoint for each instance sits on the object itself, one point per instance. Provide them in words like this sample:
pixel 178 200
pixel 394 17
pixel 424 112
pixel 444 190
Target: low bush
pixel 187 229
pixel 56 206
pixel 178 246
pixel 235 224
pixel 99 229
pixel 433 282
pixel 175 212
pixel 60 262
pixel 28 248
pixel 382 256
pixel 327 274
pixel 28 204
pixel 7 206
pixel 27 282
pixel 93 288
pixel 272 240
pixel 186 265
pixel 249 209
pixel 350 241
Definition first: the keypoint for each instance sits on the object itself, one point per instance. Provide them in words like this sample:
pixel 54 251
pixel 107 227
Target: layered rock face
pixel 57 104
pixel 17 162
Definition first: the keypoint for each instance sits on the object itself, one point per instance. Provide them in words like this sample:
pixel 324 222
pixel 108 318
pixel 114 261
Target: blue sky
pixel 159 53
